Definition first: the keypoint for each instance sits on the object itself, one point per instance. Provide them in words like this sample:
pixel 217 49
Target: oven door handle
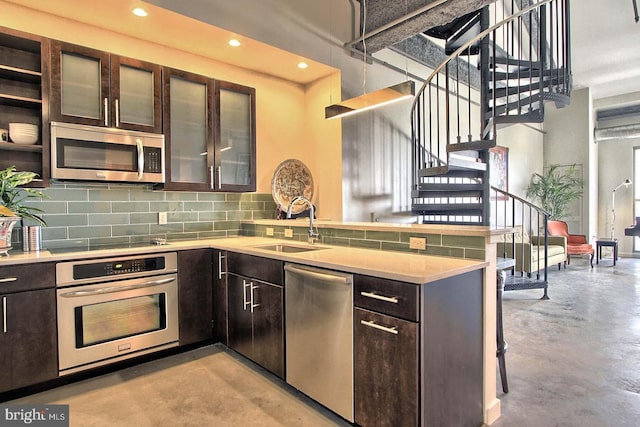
pixel 111 289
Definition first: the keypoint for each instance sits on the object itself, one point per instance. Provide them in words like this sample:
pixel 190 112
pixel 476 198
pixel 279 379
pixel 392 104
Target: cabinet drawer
pixel 390 297
pixel 27 277
pixel 266 269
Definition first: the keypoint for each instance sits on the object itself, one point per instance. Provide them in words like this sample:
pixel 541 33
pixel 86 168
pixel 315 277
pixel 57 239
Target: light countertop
pixel 406 267
pixel 459 230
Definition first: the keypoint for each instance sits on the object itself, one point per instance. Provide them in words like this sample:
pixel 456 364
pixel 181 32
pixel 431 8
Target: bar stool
pixel 501 276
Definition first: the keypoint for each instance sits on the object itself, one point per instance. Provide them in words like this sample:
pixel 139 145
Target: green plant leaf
pixel 555 189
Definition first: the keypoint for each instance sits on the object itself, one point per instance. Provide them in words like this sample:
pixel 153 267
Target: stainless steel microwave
pixel 106 154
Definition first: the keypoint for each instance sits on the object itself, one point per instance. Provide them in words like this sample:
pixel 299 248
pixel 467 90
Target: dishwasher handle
pixel 317 275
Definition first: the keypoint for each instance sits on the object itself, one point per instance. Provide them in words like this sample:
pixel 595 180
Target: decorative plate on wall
pixel 291 179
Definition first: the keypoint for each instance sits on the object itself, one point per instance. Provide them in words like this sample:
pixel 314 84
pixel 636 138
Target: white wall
pixel 525 144
pixel 569 140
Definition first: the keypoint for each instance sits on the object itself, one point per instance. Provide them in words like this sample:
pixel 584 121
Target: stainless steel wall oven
pixel 115 308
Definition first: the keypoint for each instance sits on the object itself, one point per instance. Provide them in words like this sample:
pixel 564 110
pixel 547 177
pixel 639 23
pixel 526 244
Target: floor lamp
pixel 626 183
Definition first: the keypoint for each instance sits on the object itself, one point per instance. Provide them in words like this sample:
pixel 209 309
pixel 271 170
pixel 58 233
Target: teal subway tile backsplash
pixel 458 247
pixel 103 213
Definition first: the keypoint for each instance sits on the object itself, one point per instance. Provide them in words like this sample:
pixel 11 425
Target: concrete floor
pixel 573 360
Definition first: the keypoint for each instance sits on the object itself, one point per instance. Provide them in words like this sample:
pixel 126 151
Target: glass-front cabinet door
pixel 209 129
pixel 95 88
pixel 235 137
pixel 136 88
pixel 79 85
pixel 188 133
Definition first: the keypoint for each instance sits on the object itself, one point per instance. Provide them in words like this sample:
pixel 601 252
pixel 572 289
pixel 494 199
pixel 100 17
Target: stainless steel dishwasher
pixel 319 335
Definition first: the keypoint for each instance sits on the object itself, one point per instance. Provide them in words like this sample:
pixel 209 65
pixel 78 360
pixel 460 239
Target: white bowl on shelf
pixel 23 133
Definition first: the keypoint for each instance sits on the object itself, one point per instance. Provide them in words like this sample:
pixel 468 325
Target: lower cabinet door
pixel 268 333
pixel 239 315
pixel 28 340
pixel 386 370
pixel 195 277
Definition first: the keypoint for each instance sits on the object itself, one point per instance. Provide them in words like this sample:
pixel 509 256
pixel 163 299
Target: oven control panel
pixel 122 267
pixel 107 268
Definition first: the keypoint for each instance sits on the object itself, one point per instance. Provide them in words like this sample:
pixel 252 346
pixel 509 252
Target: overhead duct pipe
pixel 617 132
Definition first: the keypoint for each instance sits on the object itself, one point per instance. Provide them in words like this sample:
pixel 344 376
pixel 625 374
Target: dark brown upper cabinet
pixel 209 129
pixel 235 134
pixel 24 89
pixel 97 88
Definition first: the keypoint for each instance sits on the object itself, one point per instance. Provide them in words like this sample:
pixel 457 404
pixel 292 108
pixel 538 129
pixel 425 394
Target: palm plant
pixel 555 189
pixel 13 198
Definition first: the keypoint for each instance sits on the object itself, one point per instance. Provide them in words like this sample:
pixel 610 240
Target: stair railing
pixel 442 118
pixel 528 243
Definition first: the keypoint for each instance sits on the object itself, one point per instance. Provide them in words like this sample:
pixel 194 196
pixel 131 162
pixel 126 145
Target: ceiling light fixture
pixel 635 10
pixel 234 43
pixel 302 65
pixel 138 11
pixel 371 100
pixel 376 99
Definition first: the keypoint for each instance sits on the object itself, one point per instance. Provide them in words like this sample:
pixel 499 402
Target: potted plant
pixel 12 203
pixel 555 189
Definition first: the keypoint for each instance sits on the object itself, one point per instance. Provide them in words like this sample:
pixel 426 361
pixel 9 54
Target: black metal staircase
pixel 524 61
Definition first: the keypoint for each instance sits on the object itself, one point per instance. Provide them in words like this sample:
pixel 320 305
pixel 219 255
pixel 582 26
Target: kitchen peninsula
pixel 446 297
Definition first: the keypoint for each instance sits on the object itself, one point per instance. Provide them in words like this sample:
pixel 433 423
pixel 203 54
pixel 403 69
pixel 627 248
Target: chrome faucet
pixel 313 235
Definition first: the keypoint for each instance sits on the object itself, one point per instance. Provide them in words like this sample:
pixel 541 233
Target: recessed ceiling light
pixel 234 43
pixel 138 11
pixel 302 65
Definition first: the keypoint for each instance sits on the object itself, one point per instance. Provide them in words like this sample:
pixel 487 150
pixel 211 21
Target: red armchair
pixel 576 243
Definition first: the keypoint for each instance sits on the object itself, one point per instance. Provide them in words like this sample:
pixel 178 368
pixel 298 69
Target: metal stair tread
pixel 464 162
pixel 483 144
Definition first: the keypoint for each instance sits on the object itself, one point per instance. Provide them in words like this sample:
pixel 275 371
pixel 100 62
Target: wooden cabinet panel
pixel 220 297
pixel 195 281
pixel 255 316
pixel 268 331
pixel 235 137
pixel 24 89
pixel 136 90
pixel 240 316
pixel 386 370
pixel 188 131
pixel 79 84
pixel 28 341
pixel 266 269
pixel 452 318
pixel 27 277
pixel 93 87
pixel 390 297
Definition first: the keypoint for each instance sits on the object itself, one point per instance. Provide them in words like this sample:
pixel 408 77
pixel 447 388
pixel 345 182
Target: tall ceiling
pixel 605 36
pixel 605 44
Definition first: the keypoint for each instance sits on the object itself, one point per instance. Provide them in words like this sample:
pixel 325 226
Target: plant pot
pixel 6 226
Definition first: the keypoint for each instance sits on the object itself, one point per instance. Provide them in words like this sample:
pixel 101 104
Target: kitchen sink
pixel 289 248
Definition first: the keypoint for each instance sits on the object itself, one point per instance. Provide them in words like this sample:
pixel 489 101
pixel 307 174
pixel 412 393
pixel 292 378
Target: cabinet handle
pixel 106 112
pixel 252 304
pixel 379 297
pixel 8 279
pixel 4 314
pixel 219 177
pixel 372 324
pixel 245 302
pixel 140 157
pixel 220 272
pixel 117 113
pixel 211 177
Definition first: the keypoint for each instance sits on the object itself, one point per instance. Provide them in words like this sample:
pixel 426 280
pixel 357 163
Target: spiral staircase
pixel 524 62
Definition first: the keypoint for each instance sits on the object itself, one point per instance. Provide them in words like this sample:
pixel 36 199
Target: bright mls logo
pixel 35 415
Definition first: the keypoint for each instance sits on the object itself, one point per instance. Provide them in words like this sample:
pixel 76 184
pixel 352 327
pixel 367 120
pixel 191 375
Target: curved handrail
pixel 521 200
pixel 465 46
